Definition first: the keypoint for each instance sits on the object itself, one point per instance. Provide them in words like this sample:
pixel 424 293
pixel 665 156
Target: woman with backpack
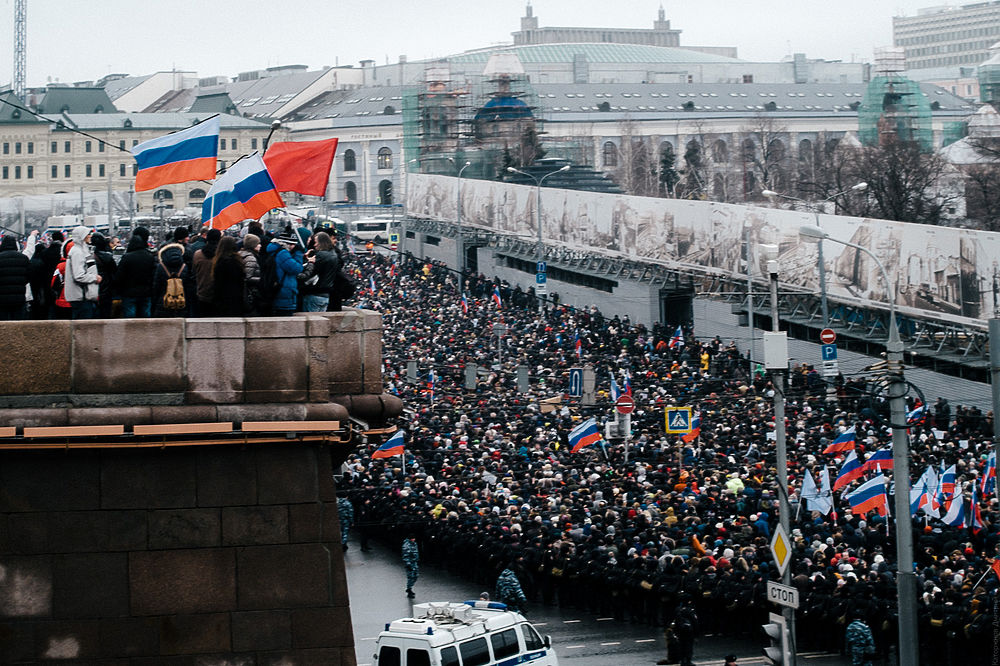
pixel 228 279
pixel 173 283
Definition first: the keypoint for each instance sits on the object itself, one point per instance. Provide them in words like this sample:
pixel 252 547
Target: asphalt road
pixel 376 585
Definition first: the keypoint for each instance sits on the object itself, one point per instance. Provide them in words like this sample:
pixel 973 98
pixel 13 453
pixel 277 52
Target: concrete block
pixel 288 411
pixel 277 368
pixel 195 634
pixel 304 522
pixel 276 327
pixel 261 630
pixel 148 356
pixel 26 534
pixel 43 359
pixel 254 525
pixel 149 479
pixel 77 531
pixel 130 636
pixel 331 524
pixel 22 488
pixel 184 414
pixel 321 627
pixel 227 476
pixel 215 370
pixel 293 576
pixel 345 321
pixel 56 416
pixel 68 641
pixel 18 644
pixel 371 320
pixel 346 368
pixel 127 530
pixel 27 588
pixel 287 474
pixel 317 325
pixel 212 329
pixel 182 581
pixel 326 411
pixel 319 370
pixel 108 415
pixel 90 585
pixel 371 349
pixel 184 528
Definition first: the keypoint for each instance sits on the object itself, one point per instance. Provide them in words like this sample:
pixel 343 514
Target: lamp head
pixel 467 163
pixel 511 170
pixel 770 194
pixel 565 167
pixel 811 233
pixel 275 124
pixel 860 187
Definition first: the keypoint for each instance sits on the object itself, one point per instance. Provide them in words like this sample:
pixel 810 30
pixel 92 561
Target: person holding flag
pixel 392 447
pixel 584 435
pixel 677 340
pixel 843 442
pixel 850 471
pixel 496 296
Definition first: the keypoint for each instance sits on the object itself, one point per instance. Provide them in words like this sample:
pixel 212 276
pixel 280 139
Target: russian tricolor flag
pixel 465 303
pixel 392 447
pixel 244 192
pixel 496 296
pixel 190 154
pixel 881 459
pixel 850 471
pixel 677 341
pixel 584 435
pixel 916 416
pixel 956 512
pixel 628 383
pixel 870 496
pixel 845 442
pixel 578 345
pixel 615 391
pixel 947 483
pixel 695 429
pixel 989 474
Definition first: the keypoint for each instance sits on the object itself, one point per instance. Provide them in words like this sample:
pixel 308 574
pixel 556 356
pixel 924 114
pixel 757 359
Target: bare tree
pixel 765 153
pixel 982 195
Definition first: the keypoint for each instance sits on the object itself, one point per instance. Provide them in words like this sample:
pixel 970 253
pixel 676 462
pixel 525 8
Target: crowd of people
pixel 488 480
pixel 250 273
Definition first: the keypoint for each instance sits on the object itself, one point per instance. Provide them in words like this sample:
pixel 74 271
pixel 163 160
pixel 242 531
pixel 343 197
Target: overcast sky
pixel 75 40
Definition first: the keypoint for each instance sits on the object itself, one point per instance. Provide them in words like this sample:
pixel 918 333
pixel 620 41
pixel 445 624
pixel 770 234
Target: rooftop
pixel 594 52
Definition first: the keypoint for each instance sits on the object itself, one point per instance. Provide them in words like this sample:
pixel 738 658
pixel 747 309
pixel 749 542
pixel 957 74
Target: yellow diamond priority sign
pixel 781 549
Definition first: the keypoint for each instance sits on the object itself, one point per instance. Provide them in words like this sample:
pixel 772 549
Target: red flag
pixel 996 567
pixel 301 166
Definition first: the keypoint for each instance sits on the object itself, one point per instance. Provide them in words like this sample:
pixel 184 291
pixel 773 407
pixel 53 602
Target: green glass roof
pixel 595 53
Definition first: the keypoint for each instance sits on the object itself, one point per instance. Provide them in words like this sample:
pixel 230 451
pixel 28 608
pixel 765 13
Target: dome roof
pixel 504 108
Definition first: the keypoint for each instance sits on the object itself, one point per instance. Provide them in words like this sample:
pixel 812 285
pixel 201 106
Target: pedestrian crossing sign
pixel 677 419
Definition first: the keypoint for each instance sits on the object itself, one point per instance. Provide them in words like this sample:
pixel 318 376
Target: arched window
pixel 350 161
pixel 718 187
pixel 720 152
pixel 351 191
pixel 384 158
pixel 610 158
pixel 385 192
pixel 776 151
pixel 805 150
pixel 196 196
pixel 749 150
pixel 163 195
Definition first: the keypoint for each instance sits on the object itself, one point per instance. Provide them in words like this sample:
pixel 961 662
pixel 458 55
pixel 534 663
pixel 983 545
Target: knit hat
pixel 251 241
pixel 181 233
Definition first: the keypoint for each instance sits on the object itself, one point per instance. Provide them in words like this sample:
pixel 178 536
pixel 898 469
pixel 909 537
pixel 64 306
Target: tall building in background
pixel 948 35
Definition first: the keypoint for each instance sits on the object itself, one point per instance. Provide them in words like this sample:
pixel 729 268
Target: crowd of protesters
pixel 488 482
pixel 250 273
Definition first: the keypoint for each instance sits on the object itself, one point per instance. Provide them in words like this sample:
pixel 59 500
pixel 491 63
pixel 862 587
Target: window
pixel 351 192
pixel 504 644
pixel 88 170
pixel 121 170
pixel 222 144
pixel 67 171
pixel 17 148
pixel 389 656
pixel 17 173
pixel 610 158
pixel 6 173
pixel 31 147
pixel 474 652
pixel 417 657
pixel 384 158
pixel 87 147
pixel 121 144
pixel 100 146
pixel 54 148
pixel 449 656
pixel 222 165
pixel 6 148
pixel 232 144
pixel 350 161
pixel 30 171
pixel 55 170
pixel 135 169
pixel 253 144
pixel 135 142
pixel 66 147
pixel 532 641
pixel 196 195
pixel 100 170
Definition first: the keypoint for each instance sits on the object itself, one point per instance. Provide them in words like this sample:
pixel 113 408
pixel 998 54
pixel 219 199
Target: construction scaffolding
pixel 894 107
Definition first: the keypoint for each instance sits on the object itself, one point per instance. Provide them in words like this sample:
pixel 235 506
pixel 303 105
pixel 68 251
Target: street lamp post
pixel 814 205
pixel 539 254
pixel 460 240
pixel 906 590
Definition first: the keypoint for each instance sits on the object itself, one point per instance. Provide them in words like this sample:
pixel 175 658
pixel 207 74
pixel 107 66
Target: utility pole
pixel 995 364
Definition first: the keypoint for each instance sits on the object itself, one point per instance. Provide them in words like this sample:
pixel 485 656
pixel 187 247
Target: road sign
pixel 828 336
pixel 625 404
pixel 781 549
pixel 831 368
pixel 678 419
pixel 829 352
pixel 576 382
pixel 783 595
pixel 393 241
pixel 540 278
pixel 540 267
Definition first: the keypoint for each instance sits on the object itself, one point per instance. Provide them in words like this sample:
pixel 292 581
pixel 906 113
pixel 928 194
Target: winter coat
pixel 81 269
pixel 14 274
pixel 135 270
pixel 326 267
pixel 228 279
pixel 171 258
pixel 288 269
pixel 202 265
pixel 251 273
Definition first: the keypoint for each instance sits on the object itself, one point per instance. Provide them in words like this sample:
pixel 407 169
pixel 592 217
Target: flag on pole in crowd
pixel 955 515
pixel 628 383
pixel 826 494
pixel 677 339
pixel 918 496
pixel 578 345
pixel 995 567
pixel 371 282
pixel 496 296
pixel 431 380
pixel 915 416
pixel 850 471
pixel 584 435
pixel 947 485
pixel 881 459
pixel 244 192
pixel 394 268
pixel 695 431
pixel 809 492
pixel 189 154
pixel 975 515
pixel 465 304
pixel 844 442
pixel 870 496
pixel 989 475
pixel 817 498
pixel 301 166
pixel 392 447
pixel 615 391
pixel 350 245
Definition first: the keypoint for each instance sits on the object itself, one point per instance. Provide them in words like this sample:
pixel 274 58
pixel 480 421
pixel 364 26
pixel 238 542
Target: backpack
pixel 173 297
pixel 270 283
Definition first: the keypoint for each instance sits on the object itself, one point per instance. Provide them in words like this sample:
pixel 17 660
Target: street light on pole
pixel 539 255
pixel 906 590
pixel 460 240
pixel 772 195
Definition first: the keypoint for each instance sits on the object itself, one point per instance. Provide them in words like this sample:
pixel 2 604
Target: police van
pixel 473 633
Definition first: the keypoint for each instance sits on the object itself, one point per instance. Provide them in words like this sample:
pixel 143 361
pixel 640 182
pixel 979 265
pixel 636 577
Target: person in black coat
pixel 107 269
pixel 135 277
pixel 52 256
pixel 39 278
pixel 228 279
pixel 14 268
pixel 171 264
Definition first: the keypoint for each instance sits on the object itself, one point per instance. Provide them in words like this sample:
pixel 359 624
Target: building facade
pixel 948 36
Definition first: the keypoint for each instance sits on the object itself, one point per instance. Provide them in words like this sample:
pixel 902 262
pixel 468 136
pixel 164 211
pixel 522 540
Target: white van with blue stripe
pixel 473 633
